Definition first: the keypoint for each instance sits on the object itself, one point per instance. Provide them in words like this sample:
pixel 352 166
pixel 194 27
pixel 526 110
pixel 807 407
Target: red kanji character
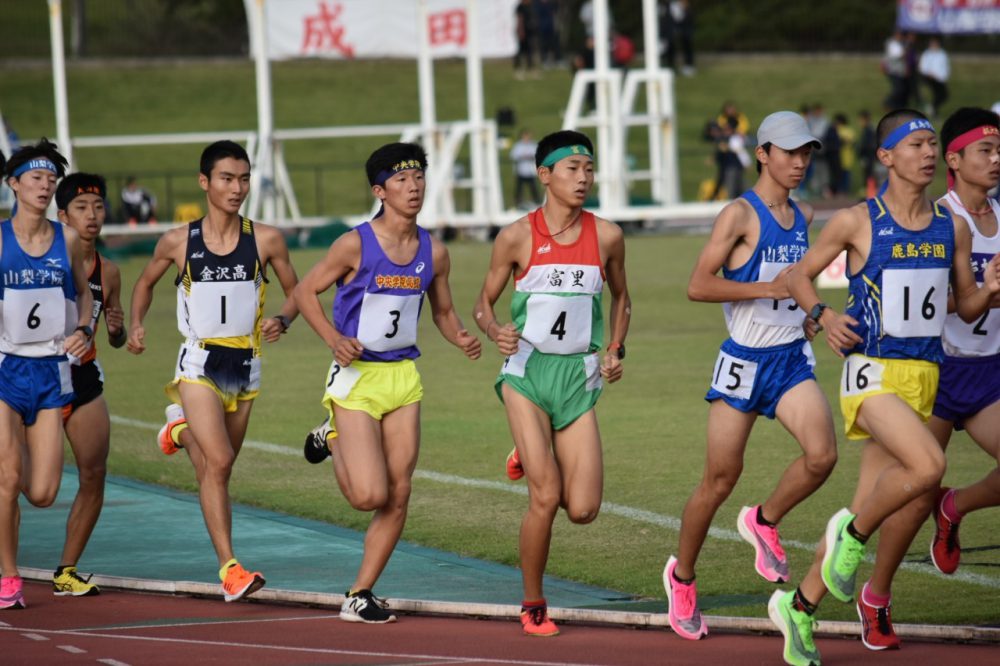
pixel 322 33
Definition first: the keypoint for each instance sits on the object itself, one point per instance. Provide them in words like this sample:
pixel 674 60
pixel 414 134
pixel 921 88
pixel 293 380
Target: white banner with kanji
pixel 384 28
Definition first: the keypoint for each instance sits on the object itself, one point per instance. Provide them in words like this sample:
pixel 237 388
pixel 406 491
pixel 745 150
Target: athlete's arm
pixel 807 211
pixel 114 316
pixel 340 261
pixel 168 251
pixel 839 234
pixel 503 262
pixel 613 244
pixel 275 254
pixel 443 308
pixel 77 343
pixel 705 285
pixel 971 300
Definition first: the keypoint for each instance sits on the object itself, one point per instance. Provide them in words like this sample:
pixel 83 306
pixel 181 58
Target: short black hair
pixel 965 119
pixel 894 119
pixel 767 149
pixel 44 149
pixel 79 183
pixel 558 140
pixel 220 150
pixel 390 155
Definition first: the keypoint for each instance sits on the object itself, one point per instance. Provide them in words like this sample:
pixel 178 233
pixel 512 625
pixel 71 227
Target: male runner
pixel 382 270
pixel 764 368
pixel 968 396
pixel 222 262
pixel 80 200
pixel 45 317
pixel 560 257
pixel 901 250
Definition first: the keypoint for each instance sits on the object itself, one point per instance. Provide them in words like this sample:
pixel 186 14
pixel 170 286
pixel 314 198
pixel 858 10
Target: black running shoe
pixel 315 449
pixel 363 606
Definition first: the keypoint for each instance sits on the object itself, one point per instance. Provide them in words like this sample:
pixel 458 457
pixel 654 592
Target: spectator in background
pixel 138 204
pixel 831 156
pixel 934 70
pixel 848 140
pixel 866 150
pixel 549 53
pixel 732 116
pixel 677 26
pixel 819 125
pixel 526 27
pixel 894 68
pixel 523 156
pixel 911 58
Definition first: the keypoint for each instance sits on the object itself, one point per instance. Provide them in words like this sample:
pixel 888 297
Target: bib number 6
pixel 34 321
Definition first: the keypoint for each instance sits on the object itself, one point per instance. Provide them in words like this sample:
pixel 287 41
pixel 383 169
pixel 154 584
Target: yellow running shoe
pixel 66 582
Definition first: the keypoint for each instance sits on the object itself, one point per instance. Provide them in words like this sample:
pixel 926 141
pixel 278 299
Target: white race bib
pixel 222 309
pixel 734 376
pixel 782 312
pixel 914 302
pixel 860 375
pixel 388 321
pixel 34 315
pixel 559 324
pixel 340 380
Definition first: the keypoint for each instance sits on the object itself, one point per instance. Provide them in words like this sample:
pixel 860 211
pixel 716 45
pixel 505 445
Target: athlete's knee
pixel 92 476
pixel 719 484
pixel 42 495
pixel 821 463
pixel 369 499
pixel 927 474
pixel 545 499
pixel 581 515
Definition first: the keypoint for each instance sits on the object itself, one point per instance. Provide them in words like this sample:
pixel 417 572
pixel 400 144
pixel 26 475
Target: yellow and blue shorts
pixel 231 372
pixel 913 381
pixel 373 387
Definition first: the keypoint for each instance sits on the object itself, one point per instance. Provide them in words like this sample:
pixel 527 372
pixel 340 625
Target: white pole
pixel 59 80
pixel 474 95
pixel 263 192
pixel 428 113
pixel 651 37
pixel 607 191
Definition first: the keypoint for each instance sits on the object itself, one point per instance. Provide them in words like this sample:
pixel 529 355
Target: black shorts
pixel 88 385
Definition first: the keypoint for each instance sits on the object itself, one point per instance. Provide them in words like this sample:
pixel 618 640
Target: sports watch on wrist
pixel 618 348
pixel 817 311
pixel 86 330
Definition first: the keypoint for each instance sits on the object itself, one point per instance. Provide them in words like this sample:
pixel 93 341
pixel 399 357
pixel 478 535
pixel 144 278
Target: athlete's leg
pixel 212 454
pixel 578 454
pixel 919 465
pixel 899 529
pixel 805 413
pixel 43 466
pixel 728 431
pixel 89 432
pixel 11 452
pixel 984 428
pixel 532 432
pixel 359 459
pixel 400 447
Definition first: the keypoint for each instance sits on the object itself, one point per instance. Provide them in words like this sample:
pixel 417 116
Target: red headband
pixel 963 140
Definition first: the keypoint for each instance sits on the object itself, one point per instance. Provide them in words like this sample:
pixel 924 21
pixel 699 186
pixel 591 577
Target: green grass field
pixel 652 423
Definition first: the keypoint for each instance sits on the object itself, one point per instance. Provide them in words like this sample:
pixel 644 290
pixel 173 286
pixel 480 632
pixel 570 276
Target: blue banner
pixel 949 17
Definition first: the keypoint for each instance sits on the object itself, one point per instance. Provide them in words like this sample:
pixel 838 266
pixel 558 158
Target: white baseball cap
pixel 786 130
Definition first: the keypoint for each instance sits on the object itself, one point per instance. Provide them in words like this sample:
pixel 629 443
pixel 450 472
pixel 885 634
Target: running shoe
pixel 11 593
pixel 70 584
pixel 682 605
pixel 363 606
pixel 514 469
pixel 535 621
pixel 771 562
pixel 316 449
pixel 946 551
pixel 240 583
pixel 876 625
pixel 797 628
pixel 842 557
pixel 169 436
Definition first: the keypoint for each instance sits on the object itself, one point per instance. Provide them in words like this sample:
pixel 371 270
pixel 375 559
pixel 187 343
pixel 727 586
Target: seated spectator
pixel 138 204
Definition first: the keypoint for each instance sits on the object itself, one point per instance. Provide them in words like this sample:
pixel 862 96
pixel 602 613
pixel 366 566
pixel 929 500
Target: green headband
pixel 565 151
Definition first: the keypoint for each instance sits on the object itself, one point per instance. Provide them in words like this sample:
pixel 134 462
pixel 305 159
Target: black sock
pixel 761 520
pixel 863 538
pixel 682 581
pixel 802 604
pixel 61 568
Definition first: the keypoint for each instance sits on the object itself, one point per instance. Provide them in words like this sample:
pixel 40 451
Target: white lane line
pixel 72 649
pixel 35 637
pixel 207 622
pixel 632 513
pixel 434 658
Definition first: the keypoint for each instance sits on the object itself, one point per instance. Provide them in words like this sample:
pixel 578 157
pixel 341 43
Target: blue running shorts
pixel 30 385
pixel 755 379
pixel 967 386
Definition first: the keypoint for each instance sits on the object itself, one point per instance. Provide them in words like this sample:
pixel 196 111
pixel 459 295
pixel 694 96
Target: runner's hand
pixel 469 344
pixel 778 287
pixel 272 328
pixel 811 327
pixel 346 350
pixel 115 319
pixel 136 340
pixel 507 338
pixel 839 333
pixel 76 344
pixel 611 368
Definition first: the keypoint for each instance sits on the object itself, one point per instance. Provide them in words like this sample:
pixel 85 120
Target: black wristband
pixel 283 320
pixel 86 330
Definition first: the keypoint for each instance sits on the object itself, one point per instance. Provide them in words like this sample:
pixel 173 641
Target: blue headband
pixel 904 130
pixel 386 174
pixel 37 163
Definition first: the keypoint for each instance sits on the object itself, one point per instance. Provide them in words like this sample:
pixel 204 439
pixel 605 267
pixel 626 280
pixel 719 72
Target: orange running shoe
pixel 240 583
pixel 535 621
pixel 166 438
pixel 514 469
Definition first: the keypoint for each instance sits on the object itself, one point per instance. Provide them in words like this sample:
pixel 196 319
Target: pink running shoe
pixel 682 605
pixel 12 593
pixel 772 563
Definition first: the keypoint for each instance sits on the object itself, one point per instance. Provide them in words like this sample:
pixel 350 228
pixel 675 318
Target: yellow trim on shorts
pixel 913 381
pixel 230 403
pixel 375 392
